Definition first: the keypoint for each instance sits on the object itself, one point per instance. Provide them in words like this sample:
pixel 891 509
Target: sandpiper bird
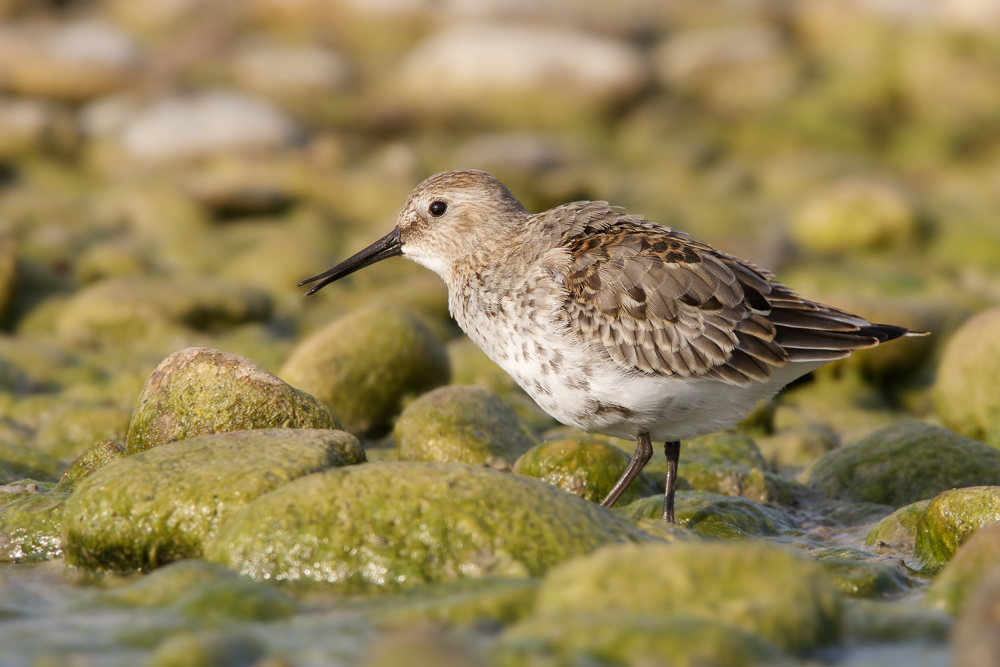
pixel 613 324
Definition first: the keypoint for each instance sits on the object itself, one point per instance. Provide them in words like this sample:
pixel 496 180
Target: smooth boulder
pixel 951 519
pixel 967 388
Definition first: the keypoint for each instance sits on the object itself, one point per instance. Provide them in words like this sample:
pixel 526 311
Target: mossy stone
pixel 461 423
pixel 366 364
pixel 975 639
pixel 123 311
pixel 200 391
pixel 897 533
pixel 100 454
pixel 624 638
pixel 67 433
pixel 440 522
pixel 158 506
pixel 31 525
pixel 237 600
pixel 166 585
pixel 952 518
pixel 725 448
pixel 959 579
pixel 760 486
pixel 760 588
pixel 883 621
pixel 711 514
pixel 207 648
pixel 857 578
pixel 967 388
pixel 21 462
pixel 587 467
pixel 901 464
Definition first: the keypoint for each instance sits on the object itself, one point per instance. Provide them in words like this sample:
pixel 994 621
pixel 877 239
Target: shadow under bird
pixel 613 324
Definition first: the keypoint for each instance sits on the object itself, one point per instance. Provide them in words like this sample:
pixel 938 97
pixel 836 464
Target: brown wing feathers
pixel 660 301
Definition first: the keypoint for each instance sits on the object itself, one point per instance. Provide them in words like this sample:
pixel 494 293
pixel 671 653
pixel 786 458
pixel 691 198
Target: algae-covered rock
pixel 21 461
pixel 99 455
pixel 761 589
pixel 857 575
pixel 725 448
pixel 30 524
pixel 967 389
pixel 975 639
pixel 158 506
pixel 464 424
pixel 963 574
pixel 163 587
pixel 208 648
pixel 631 639
pixel 366 364
pixel 120 311
pixel 882 621
pixel 798 445
pixel 904 463
pixel 761 486
pixel 200 391
pixel 950 519
pixel 588 468
pixel 236 599
pixel 856 216
pixel 440 522
pixel 711 514
pixel 67 431
pixel 897 533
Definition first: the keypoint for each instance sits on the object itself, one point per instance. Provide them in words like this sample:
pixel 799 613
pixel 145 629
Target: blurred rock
pixel 516 152
pixel 464 424
pixel 855 216
pixel 441 522
pixel 466 602
pixel 28 462
pixel 73 62
pixel 736 67
pixel 366 364
pixel 30 524
pixel 883 621
pixel 963 575
pixel 8 273
pixel 177 495
pixel 66 431
pixel 975 639
pixel 219 648
pixel 859 574
pixel 109 260
pixel 280 71
pixel 967 388
pixel 200 391
pixel 204 124
pixel 164 586
pixel 902 464
pixel 951 519
pixel 761 589
pixel 798 445
pixel 588 468
pixel 32 127
pixel 128 309
pixel 476 65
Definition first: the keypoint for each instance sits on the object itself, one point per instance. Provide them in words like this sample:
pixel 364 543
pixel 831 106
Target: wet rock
pixel 631 639
pixel 121 311
pixel 964 573
pixel 28 462
pixel 951 519
pixel 282 70
pixel 464 602
pixel 975 639
pixel 67 432
pixel 902 464
pixel 856 216
pixel 72 62
pixel 236 600
pixel 712 515
pixel 168 584
pixel 897 533
pixel 200 391
pixel 30 523
pixel 33 127
pixel 208 648
pixel 366 364
pixel 96 457
pixel 442 521
pixel 175 496
pixel 463 424
pixel 857 574
pixel 761 589
pixel 876 622
pixel 846 513
pixel 205 124
pixel 966 393
pixel 737 67
pixel 760 486
pixel 711 451
pixel 475 65
pixel 587 467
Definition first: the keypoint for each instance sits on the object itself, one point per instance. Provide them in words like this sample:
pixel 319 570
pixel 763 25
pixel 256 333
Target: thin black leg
pixel 673 452
pixel 643 452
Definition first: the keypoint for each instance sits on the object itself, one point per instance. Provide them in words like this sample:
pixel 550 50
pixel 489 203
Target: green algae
pixel 950 519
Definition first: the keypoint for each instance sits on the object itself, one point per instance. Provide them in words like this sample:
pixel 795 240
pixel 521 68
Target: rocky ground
pixel 200 467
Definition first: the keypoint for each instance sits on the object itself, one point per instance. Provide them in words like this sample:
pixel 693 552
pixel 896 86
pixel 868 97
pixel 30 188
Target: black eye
pixel 437 208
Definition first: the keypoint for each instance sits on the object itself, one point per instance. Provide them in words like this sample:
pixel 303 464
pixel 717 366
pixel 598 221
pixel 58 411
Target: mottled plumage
pixel 612 323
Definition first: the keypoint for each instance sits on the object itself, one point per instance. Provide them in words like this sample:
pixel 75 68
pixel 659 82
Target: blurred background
pixel 170 169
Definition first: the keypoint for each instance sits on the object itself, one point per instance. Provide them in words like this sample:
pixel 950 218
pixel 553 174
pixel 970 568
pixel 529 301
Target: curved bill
pixel 388 246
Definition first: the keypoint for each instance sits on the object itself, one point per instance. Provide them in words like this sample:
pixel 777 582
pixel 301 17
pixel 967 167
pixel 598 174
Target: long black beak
pixel 388 246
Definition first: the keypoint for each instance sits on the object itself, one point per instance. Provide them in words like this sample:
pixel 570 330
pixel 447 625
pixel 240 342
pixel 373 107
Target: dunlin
pixel 612 323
